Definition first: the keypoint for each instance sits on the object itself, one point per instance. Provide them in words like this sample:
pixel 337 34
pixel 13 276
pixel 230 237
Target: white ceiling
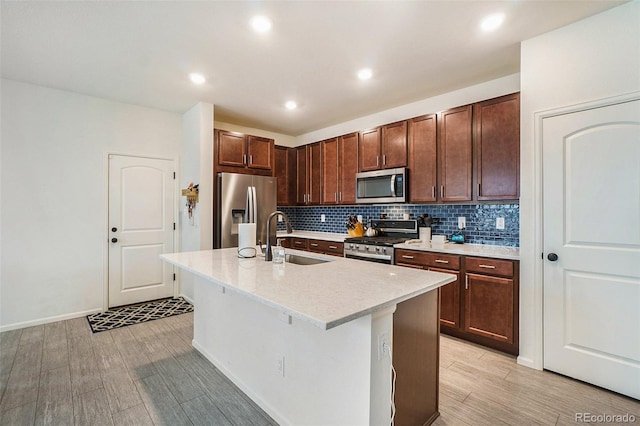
pixel 142 52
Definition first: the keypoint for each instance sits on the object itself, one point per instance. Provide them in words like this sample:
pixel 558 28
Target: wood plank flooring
pixel 149 374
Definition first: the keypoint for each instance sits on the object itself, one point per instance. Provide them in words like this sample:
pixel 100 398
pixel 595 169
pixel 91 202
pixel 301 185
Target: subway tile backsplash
pixel 480 219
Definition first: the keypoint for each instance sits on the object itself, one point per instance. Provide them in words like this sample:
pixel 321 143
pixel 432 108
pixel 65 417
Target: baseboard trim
pixel 40 321
pixel 188 299
pixel 527 362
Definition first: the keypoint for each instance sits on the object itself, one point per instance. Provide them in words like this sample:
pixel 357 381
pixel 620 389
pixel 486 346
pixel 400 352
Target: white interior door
pixel 141 227
pixel 591 184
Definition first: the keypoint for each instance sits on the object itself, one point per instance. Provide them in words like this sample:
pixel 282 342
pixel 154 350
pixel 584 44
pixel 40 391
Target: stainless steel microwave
pixel 381 186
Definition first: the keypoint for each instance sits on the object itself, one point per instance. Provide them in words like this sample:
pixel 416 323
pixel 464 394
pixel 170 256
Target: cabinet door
pixel 497 148
pixel 231 149
pixel 285 172
pixel 455 154
pixel 394 145
pixel 422 159
pixel 369 150
pixel 314 164
pixel 301 175
pixel 260 153
pixel 348 168
pixel 330 169
pixel 489 307
pixel 450 300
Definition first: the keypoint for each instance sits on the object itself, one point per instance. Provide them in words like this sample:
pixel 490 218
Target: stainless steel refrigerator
pixel 243 199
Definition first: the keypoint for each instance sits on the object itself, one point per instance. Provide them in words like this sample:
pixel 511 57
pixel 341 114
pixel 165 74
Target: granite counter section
pixel 325 294
pixel 498 252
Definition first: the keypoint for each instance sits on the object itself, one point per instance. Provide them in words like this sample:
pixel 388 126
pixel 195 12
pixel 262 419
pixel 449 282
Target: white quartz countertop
pixel 325 294
pixel 483 250
pixel 314 235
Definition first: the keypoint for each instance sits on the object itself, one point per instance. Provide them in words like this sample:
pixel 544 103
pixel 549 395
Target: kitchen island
pixel 305 342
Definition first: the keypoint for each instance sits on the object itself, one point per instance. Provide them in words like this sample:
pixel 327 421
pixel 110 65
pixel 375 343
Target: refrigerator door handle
pixel 249 206
pixel 255 205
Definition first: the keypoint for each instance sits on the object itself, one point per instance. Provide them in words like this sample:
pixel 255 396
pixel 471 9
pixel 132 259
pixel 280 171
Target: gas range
pixel 380 248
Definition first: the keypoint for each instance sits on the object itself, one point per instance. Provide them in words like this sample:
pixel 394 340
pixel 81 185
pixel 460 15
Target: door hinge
pixel 174 175
pixel 174 226
pixel 174 277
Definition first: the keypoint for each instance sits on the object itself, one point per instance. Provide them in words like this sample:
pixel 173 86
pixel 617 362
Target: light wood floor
pixel 62 374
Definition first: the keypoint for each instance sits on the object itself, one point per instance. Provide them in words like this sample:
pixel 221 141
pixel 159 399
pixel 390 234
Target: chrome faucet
pixel 267 252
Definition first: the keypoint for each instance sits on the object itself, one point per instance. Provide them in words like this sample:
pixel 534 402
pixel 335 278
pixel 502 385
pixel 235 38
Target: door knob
pixel 552 257
pixel 114 229
pixel 114 240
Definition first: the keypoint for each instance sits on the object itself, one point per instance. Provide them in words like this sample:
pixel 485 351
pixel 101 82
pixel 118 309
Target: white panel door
pixel 141 222
pixel 591 184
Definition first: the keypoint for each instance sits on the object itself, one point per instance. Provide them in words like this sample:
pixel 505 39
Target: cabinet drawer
pixel 332 247
pixel 299 243
pixel 409 257
pixel 489 266
pixel 445 261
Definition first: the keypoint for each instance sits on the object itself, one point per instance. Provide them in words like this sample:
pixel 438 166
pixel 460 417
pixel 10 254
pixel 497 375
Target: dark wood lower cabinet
pixel 482 304
pixel 332 248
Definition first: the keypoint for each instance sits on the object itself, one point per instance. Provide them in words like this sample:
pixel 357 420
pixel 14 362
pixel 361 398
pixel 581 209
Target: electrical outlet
pixel 322 218
pixel 360 218
pixel 280 218
pixel 462 222
pixel 500 223
pixel 382 340
pixel 280 366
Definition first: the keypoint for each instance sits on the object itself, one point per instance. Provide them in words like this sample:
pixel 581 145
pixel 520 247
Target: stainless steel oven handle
pixel 367 255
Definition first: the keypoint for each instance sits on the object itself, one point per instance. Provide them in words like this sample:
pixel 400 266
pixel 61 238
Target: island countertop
pixel 325 294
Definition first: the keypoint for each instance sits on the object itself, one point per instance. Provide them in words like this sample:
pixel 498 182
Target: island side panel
pixel 416 348
pixel 327 374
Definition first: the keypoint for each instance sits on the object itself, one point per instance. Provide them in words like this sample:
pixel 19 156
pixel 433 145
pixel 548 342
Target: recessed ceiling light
pixel 291 105
pixel 492 22
pixel 365 74
pixel 197 78
pixel 261 24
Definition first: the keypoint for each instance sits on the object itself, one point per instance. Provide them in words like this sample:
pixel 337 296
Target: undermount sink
pixel 303 260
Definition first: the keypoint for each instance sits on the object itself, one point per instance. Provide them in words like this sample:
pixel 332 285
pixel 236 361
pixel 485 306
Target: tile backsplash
pixel 480 219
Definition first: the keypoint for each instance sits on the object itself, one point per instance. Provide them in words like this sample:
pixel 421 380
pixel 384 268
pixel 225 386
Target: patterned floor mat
pixel 135 314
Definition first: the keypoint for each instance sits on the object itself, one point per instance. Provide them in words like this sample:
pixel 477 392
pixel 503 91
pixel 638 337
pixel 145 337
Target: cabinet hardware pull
pixel 433 192
pixel 335 195
pixel 297 242
pixel 304 198
pixel 250 159
pixel 406 256
pixel 487 266
pixel 333 247
pixel 377 160
pixel 313 244
pixel 340 195
pixel 441 261
pixel 244 158
pixel 466 282
pixel 441 191
pixel 384 160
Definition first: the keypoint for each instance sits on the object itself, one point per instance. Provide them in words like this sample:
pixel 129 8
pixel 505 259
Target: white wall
pixel 596 58
pixel 197 167
pixel 279 138
pixel 468 95
pixel 53 193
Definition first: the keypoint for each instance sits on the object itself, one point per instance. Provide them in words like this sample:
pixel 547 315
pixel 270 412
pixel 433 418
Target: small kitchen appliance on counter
pixel 379 248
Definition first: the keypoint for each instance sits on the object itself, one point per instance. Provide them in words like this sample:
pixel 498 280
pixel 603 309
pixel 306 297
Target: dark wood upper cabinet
pixel 497 148
pixel 239 153
pixel 455 154
pixel 309 165
pixel 330 171
pixel 285 171
pixel 260 153
pixel 348 156
pixel 383 147
pixel 394 145
pixel 369 150
pixel 422 159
